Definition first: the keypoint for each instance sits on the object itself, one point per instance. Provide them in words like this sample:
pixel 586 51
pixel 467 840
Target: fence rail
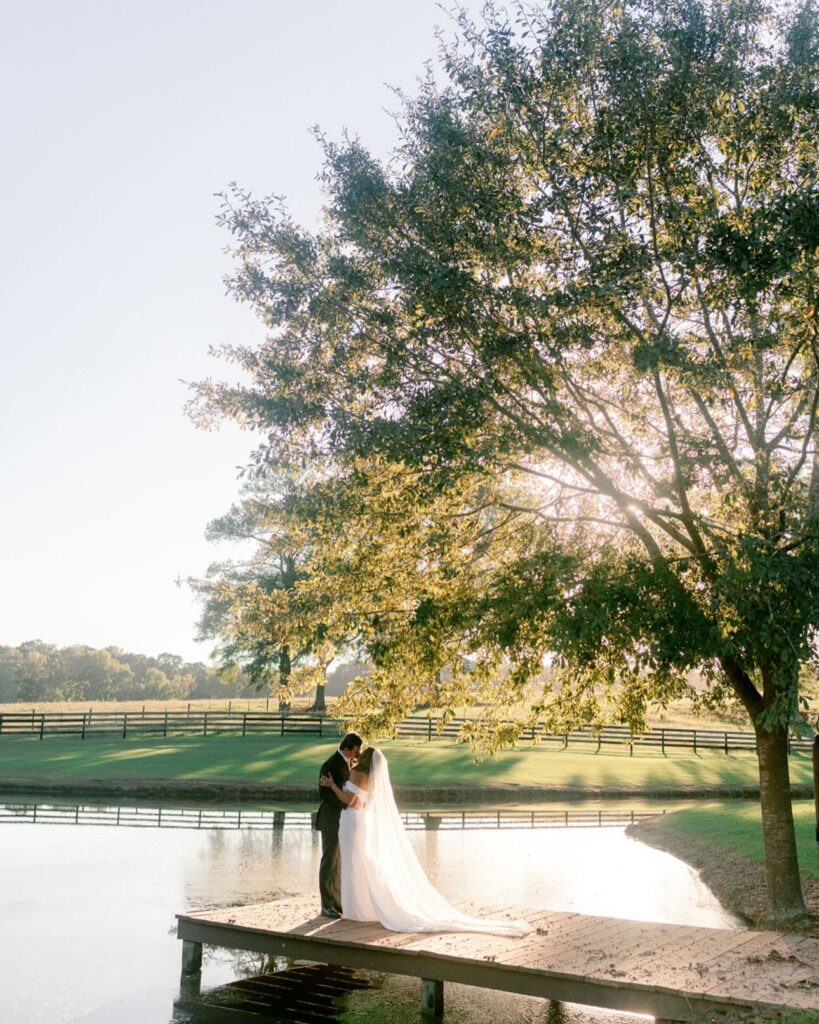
pixel 247 723
pixel 231 820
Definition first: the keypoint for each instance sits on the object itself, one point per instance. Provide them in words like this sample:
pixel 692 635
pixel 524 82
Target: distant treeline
pixel 38 672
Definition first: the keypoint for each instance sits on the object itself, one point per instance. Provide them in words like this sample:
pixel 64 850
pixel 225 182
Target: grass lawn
pixel 293 760
pixel 737 826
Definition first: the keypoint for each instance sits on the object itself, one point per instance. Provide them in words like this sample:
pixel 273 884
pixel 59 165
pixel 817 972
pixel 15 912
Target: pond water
pixel 87 911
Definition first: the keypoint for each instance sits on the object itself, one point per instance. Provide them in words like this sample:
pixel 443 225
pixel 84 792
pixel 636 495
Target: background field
pixel 679 713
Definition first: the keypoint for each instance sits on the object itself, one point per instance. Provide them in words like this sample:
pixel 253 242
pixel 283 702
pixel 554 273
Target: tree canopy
pixel 555 361
pixel 268 621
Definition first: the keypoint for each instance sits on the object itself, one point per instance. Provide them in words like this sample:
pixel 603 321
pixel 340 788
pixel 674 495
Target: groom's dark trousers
pixel 327 821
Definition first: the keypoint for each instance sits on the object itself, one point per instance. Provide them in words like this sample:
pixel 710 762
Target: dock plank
pixel 673 971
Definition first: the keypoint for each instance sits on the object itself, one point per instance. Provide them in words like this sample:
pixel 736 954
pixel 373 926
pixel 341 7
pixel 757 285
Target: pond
pixel 87 909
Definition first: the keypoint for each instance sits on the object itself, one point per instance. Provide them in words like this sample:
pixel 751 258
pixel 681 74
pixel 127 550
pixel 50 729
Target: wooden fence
pixel 247 723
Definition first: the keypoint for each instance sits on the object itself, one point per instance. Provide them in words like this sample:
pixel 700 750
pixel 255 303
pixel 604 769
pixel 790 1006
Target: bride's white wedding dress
pixel 381 878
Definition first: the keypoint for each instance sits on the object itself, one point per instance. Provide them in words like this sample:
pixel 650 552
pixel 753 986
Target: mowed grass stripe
pixel 295 761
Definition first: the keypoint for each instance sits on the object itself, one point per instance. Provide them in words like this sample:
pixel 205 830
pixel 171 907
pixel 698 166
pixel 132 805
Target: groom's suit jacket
pixel 330 808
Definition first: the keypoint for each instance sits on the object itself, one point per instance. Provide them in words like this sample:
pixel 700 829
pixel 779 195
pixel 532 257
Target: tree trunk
pixel 320 703
pixel 284 679
pixel 785 900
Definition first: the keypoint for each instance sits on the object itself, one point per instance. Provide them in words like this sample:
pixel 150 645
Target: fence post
pixel 42 725
pixel 429 729
pixel 695 741
pixel 244 724
pixel 165 730
pixel 726 744
pixel 205 724
pixel 281 725
pixel 124 724
pixel 321 725
pixel 82 736
pixel 1 723
pixel 662 740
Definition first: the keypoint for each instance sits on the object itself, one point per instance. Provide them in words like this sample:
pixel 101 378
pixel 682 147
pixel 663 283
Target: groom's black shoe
pixel 330 912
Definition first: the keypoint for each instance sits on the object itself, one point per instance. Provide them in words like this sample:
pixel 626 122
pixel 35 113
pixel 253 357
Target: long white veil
pixel 402 895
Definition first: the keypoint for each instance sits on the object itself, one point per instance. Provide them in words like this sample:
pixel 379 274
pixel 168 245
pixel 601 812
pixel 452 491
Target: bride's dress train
pixel 381 878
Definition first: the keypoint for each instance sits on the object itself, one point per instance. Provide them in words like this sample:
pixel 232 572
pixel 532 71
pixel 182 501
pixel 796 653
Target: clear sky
pixel 119 122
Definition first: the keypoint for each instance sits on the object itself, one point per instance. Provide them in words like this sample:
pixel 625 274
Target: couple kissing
pixel 369 870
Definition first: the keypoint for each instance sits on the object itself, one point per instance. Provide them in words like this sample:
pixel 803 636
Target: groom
pixel 327 821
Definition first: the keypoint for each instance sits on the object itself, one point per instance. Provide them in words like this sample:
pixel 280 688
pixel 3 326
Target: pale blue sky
pixel 119 122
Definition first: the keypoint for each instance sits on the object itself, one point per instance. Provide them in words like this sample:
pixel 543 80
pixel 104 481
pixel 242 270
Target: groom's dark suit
pixel 327 822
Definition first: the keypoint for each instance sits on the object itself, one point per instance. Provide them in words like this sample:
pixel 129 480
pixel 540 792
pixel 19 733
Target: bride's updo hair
pixel 365 760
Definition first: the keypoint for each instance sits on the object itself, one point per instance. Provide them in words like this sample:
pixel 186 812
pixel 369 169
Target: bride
pixel 381 878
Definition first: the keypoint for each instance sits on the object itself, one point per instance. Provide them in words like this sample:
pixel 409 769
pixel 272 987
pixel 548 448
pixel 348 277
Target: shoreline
pixel 216 791
pixel 738 882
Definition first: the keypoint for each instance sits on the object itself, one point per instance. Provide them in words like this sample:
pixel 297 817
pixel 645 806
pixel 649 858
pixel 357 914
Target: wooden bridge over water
pixel 673 972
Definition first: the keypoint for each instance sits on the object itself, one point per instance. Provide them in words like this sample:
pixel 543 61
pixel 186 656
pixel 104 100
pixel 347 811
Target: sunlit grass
pixel 737 826
pixel 294 761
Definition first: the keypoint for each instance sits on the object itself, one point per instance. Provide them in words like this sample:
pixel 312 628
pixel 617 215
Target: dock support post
pixel 190 988
pixel 191 958
pixel 432 1001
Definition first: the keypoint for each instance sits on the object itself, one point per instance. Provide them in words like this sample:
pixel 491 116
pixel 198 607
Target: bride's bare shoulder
pixel 360 779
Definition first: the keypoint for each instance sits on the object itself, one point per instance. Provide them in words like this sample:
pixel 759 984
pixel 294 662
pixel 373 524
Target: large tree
pixel 264 624
pixel 571 325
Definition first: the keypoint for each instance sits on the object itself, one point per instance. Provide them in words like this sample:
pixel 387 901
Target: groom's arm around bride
pixel 327 821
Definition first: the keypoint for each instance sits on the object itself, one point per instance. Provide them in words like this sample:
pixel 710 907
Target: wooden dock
pixel 673 972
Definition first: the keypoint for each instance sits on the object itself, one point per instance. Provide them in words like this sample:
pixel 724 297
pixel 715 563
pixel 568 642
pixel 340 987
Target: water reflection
pixel 88 913
pixel 587 816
